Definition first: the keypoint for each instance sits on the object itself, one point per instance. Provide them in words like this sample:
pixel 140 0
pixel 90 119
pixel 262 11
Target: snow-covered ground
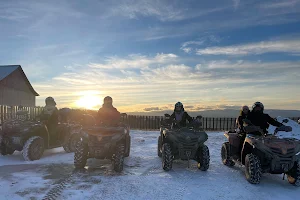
pixel 142 178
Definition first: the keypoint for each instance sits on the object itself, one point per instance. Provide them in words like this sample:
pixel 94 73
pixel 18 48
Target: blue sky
pixel 151 54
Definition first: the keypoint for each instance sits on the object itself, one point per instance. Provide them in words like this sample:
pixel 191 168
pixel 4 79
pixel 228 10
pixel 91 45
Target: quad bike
pixel 33 137
pixel 102 142
pixel 262 153
pixel 183 143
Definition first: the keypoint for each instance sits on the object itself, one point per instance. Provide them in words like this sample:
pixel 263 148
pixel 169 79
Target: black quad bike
pixel 185 143
pixel 262 153
pixel 33 137
pixel 102 142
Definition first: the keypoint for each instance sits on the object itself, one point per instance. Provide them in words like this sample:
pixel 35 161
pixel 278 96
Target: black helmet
pixel 178 105
pixel 107 100
pixel 50 101
pixel 258 104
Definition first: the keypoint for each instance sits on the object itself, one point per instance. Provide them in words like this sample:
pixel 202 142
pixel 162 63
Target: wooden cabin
pixel 15 88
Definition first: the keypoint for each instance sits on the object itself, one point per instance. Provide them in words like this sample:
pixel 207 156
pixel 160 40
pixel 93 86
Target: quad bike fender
pixel 40 130
pixel 234 139
pixel 247 149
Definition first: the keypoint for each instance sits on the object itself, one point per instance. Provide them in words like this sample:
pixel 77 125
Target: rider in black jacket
pixel 263 120
pixel 180 116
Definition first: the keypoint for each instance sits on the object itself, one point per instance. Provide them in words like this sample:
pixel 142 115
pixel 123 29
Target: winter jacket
pixel 262 120
pixel 181 118
pixel 240 121
pixel 108 115
pixel 50 115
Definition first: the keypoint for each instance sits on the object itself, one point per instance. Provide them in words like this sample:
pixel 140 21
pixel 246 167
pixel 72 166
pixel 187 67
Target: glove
pixel 288 128
pixel 283 128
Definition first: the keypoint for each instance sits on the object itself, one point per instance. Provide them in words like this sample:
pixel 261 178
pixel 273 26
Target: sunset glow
pixel 89 102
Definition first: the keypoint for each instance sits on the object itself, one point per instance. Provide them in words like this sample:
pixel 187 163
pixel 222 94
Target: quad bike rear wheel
pixel 203 158
pixel 80 155
pixel 294 175
pixel 33 148
pixel 4 150
pixel 118 158
pixel 225 155
pixel 159 146
pixel 253 169
pixel 167 158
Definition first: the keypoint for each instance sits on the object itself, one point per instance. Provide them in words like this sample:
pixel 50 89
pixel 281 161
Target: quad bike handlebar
pixel 252 128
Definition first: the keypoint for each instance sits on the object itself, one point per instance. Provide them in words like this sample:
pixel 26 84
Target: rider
pixel 180 116
pixel 258 118
pixel 50 114
pixel 243 115
pixel 108 114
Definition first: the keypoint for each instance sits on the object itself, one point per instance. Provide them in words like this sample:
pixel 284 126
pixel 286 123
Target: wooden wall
pixel 14 91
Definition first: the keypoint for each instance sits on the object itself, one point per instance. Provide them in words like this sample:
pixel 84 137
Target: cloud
pixel 284 46
pixel 14 13
pixel 165 11
pixel 152 109
pixel 186 50
pixel 280 4
pixel 162 83
pixel 134 61
pixel 236 4
pixel 205 40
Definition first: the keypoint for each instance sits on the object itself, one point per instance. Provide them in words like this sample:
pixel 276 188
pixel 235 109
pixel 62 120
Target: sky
pixel 148 55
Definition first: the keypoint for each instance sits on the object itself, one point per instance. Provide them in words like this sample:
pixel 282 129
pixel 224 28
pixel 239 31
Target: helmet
pixel 50 101
pixel 107 100
pixel 178 105
pixel 258 104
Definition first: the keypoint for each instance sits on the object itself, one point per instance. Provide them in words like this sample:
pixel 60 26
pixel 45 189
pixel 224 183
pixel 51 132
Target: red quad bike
pixel 102 142
pixel 33 137
pixel 262 154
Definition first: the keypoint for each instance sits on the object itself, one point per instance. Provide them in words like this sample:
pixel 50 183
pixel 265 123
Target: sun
pixel 88 102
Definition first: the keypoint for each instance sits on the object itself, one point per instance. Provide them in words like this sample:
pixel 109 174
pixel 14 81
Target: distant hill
pixel 222 113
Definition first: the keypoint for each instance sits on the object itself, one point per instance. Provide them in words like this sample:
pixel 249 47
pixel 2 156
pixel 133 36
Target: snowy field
pixel 142 178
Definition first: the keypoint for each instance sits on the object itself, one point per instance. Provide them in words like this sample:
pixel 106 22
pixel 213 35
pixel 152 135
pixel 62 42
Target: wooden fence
pixel 135 121
pixel 9 112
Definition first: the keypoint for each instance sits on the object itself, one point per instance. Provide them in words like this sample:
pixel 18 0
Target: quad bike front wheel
pixel 203 158
pixel 118 158
pixel 167 158
pixel 253 168
pixel 80 155
pixel 128 144
pixel 70 145
pixel 159 146
pixel 294 175
pixel 225 155
pixel 33 148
